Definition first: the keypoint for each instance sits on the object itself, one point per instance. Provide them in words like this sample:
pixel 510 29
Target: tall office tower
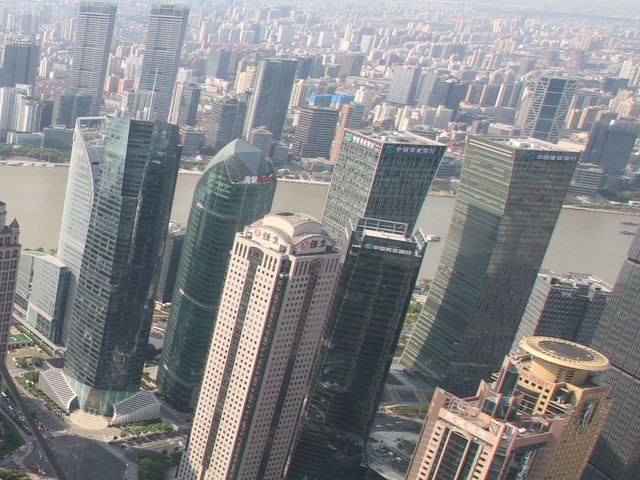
pixel 184 106
pixel 611 143
pixel 568 307
pixel 510 195
pixel 471 438
pixel 269 101
pixel 617 456
pixel 351 65
pixel 549 106
pixel 20 62
pixel 227 117
pixel 91 45
pixel 560 378
pixel 114 298
pixel 381 176
pixel 553 378
pixel 84 171
pixel 261 138
pixel 404 84
pixel 426 85
pixel 274 310
pixel 170 260
pixel 235 190
pixel 314 132
pixel 370 304
pixel 161 60
pixel 9 257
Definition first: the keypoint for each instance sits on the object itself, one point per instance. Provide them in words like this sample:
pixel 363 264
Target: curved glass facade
pixel 236 189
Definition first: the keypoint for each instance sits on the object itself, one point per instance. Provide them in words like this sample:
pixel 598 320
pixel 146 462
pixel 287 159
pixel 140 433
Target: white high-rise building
pixel 273 312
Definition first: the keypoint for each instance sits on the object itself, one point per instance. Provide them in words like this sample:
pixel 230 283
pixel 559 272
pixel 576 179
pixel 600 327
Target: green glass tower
pixel 508 202
pixel 235 190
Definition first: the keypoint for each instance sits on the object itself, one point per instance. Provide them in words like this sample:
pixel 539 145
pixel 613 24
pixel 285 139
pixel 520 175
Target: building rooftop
pixel 396 137
pixel 244 162
pixel 530 143
pixel 565 353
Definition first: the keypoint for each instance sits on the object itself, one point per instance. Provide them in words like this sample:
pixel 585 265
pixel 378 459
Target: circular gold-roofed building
pixel 564 360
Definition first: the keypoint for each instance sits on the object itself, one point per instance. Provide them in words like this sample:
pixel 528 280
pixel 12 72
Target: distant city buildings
pixel 235 190
pixel 315 132
pixel 611 143
pixel 227 118
pixel 274 311
pixel 173 244
pixel 508 202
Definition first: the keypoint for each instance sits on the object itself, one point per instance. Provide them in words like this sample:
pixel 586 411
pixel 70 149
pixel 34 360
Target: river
pixel 583 241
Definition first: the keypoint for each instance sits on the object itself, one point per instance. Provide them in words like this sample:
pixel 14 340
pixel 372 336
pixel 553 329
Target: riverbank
pixel 615 210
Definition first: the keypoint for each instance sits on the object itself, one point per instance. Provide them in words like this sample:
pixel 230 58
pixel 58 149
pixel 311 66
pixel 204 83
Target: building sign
pixel 268 179
pixel 410 149
pixel 551 156
pixel 380 248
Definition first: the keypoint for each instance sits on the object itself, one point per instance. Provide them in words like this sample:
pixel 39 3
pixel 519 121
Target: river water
pixel 583 241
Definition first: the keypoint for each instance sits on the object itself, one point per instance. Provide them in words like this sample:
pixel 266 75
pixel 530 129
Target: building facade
pixel 269 102
pixel 20 59
pixel 611 143
pixel 404 85
pixel 381 176
pixel 235 190
pixel 91 45
pixel 273 313
pixel 170 260
pixel 161 60
pixel 549 107
pixel 227 117
pixel 371 302
pixel 567 306
pixel 617 456
pixel 314 132
pixel 510 195
pixel 113 304
pixel 9 258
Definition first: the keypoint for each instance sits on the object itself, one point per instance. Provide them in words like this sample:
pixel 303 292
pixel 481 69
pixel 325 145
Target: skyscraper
pixel 617 453
pixel 235 190
pixel 19 62
pixel 161 60
pixel 565 306
pixel 314 132
pixel 91 45
pixel 184 106
pixel 611 143
pixel 351 117
pixel 9 257
pixel 273 313
pixel 84 171
pixel 505 426
pixel 227 117
pixel 549 107
pixel 269 101
pixel 114 298
pixel 404 84
pixel 170 260
pixel 510 195
pixel 381 176
pixel 370 305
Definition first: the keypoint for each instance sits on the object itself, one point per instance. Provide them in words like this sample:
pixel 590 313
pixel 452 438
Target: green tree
pixel 152 467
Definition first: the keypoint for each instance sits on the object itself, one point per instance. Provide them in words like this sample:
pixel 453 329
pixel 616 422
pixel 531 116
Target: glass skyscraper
pixel 373 295
pixel 269 101
pixel 549 107
pixel 381 176
pixel 235 190
pixel 508 202
pixel 113 306
pixel 617 453
pixel 161 60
